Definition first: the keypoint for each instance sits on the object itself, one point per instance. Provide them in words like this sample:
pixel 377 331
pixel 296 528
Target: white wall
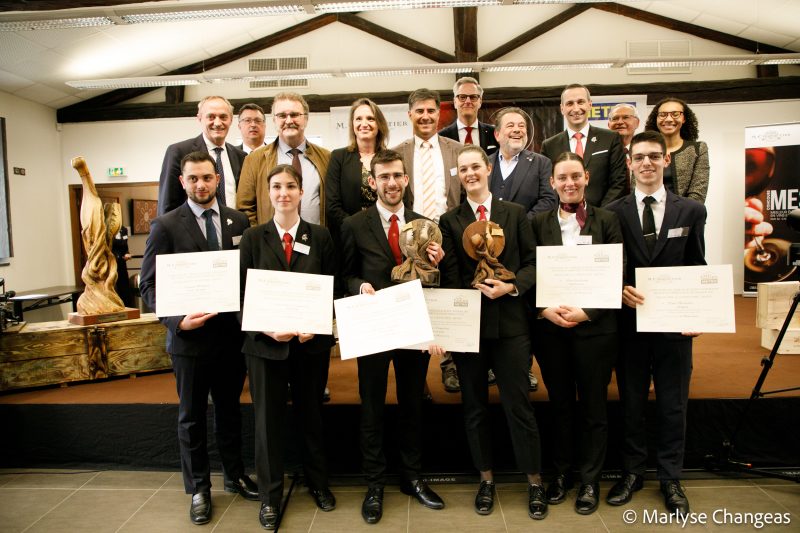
pixel 39 205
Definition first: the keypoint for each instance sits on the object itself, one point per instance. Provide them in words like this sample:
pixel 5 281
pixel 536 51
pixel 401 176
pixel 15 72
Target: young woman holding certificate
pixel 504 342
pixel 576 347
pixel 278 358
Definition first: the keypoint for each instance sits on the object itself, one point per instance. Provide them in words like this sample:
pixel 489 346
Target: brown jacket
pixel 252 195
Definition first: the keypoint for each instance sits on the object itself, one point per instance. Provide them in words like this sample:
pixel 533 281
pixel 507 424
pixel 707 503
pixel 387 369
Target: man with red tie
pixel 601 149
pixel 371 249
pixel 467 99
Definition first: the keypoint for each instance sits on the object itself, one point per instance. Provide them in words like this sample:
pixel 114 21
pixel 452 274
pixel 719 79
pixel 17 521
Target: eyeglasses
pixel 385 178
pixel 293 115
pixel 258 121
pixel 654 157
pixel 470 97
pixel 673 114
pixel 621 118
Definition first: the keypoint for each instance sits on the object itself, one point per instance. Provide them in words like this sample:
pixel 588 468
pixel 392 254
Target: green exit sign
pixel 116 171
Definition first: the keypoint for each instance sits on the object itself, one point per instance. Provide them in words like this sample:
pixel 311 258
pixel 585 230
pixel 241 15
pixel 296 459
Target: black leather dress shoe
pixel 422 493
pixel 622 491
pixel 588 498
pixel 324 499
pixel 537 502
pixel 674 498
pixel 557 489
pixel 372 508
pixel 200 511
pixel 484 500
pixel 268 516
pixel 244 486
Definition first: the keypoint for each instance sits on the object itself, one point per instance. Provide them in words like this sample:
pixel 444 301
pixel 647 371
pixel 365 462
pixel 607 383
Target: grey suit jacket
pixel 449 150
pixel 531 186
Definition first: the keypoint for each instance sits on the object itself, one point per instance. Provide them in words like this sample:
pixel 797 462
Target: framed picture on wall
pixel 143 212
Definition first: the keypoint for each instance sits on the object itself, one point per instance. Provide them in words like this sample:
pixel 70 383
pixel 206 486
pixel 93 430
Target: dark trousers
pixel 509 359
pixel 223 376
pixel 410 370
pixel 307 373
pixel 573 364
pixel 670 361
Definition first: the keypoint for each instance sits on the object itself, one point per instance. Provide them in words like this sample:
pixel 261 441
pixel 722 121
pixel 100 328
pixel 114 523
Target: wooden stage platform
pixel 130 422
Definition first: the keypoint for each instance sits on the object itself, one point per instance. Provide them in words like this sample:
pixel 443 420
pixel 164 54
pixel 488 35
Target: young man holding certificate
pixel 278 358
pixel 205 348
pixel 504 341
pixel 371 249
pixel 660 229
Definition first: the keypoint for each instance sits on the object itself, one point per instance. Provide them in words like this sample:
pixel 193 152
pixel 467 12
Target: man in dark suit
pixel 467 97
pixel 600 148
pixel 370 247
pixel 660 229
pixel 252 126
pixel 205 348
pixel 215 114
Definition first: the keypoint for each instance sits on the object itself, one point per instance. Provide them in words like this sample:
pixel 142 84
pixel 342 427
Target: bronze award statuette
pixel 483 241
pixel 414 239
pixel 99 302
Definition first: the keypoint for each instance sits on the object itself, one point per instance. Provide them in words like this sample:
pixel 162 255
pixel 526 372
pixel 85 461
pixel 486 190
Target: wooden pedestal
pixel 45 353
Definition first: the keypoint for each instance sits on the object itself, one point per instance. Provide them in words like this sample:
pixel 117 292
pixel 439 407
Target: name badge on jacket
pixel 678 232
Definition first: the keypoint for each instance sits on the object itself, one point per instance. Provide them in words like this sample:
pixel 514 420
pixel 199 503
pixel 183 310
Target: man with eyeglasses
pixel 467 99
pixel 624 120
pixel 660 229
pixel 290 115
pixel 215 115
pixel 252 126
pixel 600 148
pixel 370 250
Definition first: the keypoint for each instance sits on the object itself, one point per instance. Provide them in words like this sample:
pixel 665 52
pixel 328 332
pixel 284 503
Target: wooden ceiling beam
pixel 396 39
pixel 754 47
pixel 534 32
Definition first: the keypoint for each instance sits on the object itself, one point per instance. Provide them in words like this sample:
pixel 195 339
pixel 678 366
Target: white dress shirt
pixel 440 188
pixel 309 205
pixel 658 206
pixel 230 179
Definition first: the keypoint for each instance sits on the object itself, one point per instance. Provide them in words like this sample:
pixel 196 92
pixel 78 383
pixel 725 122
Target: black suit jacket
pixel 686 250
pixel 603 226
pixel 367 257
pixel 604 158
pixel 342 187
pixel 178 232
pixel 262 248
pixel 170 192
pixel 505 316
pixel 486 133
pixel 531 186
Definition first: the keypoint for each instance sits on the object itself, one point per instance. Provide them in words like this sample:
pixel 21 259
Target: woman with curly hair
pixel 687 174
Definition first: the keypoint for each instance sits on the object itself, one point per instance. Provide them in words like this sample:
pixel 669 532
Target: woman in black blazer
pixel 275 359
pixel 347 189
pixel 576 347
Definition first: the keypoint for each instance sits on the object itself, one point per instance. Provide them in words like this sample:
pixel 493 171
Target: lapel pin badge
pixel 594 139
pixel 229 221
pixel 304 238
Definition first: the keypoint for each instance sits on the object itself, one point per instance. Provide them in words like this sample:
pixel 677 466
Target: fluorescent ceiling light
pixel 134 83
pixel 690 63
pixel 203 14
pixel 533 68
pixel 55 24
pixel 376 5
pixel 787 61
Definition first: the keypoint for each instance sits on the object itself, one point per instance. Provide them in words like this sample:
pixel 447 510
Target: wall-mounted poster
pixel 143 212
pixel 772 191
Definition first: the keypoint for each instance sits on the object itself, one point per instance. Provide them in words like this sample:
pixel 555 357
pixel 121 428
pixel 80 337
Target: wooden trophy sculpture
pixel 414 239
pixel 483 241
pixel 99 302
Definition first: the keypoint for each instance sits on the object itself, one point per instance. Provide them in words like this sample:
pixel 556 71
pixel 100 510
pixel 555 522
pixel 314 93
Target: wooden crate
pixel 45 353
pixel 789 345
pixel 774 301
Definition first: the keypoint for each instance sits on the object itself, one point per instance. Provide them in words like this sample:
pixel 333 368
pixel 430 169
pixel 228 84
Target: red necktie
pixel 468 138
pixel 394 239
pixel 578 144
pixel 287 247
pixel 481 213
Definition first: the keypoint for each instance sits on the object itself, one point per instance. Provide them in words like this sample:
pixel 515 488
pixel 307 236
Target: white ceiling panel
pixel 15 49
pixel 722 24
pixel 11 82
pixel 763 36
pixel 59 38
pixel 42 93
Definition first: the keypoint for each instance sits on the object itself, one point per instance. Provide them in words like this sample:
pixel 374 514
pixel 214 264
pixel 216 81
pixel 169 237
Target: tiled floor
pixel 96 501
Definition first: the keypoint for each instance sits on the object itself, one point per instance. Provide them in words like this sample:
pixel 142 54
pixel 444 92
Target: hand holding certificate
pixel 687 298
pixel 391 318
pixel 455 318
pixel 199 282
pixel 586 276
pixel 287 301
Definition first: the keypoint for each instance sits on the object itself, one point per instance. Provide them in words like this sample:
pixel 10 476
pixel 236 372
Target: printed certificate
pixel 198 282
pixel 455 318
pixel 586 276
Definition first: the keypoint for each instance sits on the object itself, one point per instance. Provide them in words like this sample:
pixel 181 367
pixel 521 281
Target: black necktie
pixel 211 232
pixel 221 172
pixel 649 224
